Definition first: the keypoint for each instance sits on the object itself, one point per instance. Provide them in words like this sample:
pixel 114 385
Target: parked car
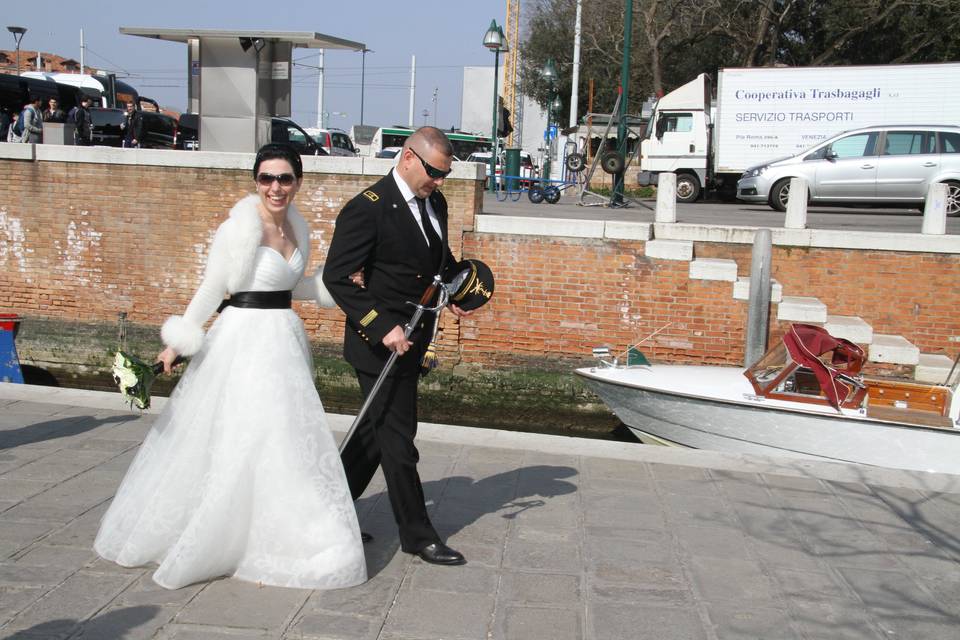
pixel 873 165
pixel 188 137
pixel 527 168
pixel 335 142
pixel 389 152
pixel 159 130
pixel 286 130
pixel 106 126
pixel 281 130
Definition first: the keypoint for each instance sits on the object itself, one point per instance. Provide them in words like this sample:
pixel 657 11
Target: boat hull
pixel 755 426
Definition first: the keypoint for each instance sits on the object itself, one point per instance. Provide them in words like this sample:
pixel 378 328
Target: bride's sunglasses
pixel 285 179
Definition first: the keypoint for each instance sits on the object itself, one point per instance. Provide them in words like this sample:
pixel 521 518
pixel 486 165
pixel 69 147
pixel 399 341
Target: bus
pixel 464 144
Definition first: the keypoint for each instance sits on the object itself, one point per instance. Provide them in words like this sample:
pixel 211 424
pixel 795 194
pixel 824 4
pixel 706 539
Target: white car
pixel 873 165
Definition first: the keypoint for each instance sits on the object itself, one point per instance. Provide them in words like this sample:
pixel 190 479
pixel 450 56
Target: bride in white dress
pixel 240 475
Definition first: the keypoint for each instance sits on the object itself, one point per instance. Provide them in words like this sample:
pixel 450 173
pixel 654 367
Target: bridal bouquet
pixel 135 377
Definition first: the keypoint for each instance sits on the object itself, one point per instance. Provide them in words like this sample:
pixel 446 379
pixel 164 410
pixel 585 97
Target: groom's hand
pixel 396 341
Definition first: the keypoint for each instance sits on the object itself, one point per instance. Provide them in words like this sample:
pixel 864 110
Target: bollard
pixel 9 362
pixel 935 209
pixel 666 198
pixel 796 205
pixel 758 313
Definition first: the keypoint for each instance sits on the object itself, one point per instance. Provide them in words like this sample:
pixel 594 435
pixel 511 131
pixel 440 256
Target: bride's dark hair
pixel 281 151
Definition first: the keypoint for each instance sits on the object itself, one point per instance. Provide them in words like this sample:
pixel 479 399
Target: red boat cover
pixel 807 342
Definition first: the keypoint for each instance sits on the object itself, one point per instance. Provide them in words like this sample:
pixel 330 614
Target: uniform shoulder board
pixel 371 196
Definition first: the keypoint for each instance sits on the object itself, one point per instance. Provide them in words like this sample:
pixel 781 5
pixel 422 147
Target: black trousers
pixel 385 438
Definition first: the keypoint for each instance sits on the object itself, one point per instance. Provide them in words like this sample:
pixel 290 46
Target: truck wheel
pixel 535 195
pixel 551 194
pixel 953 198
pixel 688 187
pixel 780 195
pixel 611 162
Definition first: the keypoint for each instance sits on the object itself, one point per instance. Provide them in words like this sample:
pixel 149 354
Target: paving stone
pixel 712 542
pixel 128 622
pixel 697 510
pixel 746 621
pixel 371 599
pixel 147 592
pixel 539 588
pixel 176 631
pixel 13 601
pixel 18 574
pixel 719 580
pixel 810 586
pixel 438 614
pixel 833 620
pixel 15 489
pixel 232 603
pixel 561 557
pixel 464 579
pixel 45 555
pixel 886 591
pixel 75 600
pixel 329 626
pixel 613 621
pixel 536 623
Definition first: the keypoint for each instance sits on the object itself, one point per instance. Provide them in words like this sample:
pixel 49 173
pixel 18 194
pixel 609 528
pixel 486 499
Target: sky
pixel 444 37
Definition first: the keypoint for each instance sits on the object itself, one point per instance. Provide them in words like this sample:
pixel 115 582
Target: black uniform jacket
pixel 376 232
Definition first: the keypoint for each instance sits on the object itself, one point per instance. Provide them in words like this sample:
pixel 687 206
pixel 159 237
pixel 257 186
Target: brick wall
pixel 84 240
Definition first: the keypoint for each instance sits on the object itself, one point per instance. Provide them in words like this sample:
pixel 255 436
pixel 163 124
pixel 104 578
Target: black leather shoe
pixel 439 553
pixel 365 537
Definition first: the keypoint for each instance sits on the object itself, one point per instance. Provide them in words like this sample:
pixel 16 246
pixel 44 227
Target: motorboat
pixel 806 397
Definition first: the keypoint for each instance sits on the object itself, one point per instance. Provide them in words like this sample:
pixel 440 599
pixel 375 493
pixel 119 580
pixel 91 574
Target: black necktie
pixel 433 240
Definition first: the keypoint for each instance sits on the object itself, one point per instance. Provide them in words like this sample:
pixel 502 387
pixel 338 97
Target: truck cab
pixel 678 139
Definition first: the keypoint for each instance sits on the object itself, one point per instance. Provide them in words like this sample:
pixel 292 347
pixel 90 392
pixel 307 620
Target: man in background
pixel 133 127
pixel 53 112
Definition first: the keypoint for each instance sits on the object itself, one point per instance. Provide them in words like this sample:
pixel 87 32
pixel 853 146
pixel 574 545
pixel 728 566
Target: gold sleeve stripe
pixel 370 317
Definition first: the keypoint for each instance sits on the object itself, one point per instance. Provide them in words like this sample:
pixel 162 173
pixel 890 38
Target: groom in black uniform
pixel 395 232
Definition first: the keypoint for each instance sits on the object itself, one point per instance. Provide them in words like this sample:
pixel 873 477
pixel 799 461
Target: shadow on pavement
pixel 113 625
pixel 461 500
pixel 55 428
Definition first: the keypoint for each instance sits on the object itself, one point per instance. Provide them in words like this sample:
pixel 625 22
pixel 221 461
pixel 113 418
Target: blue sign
pixel 550 133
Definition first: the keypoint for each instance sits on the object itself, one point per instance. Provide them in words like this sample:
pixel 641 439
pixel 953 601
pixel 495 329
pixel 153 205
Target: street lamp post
pixel 17 36
pixel 496 42
pixel 549 73
pixel 363 66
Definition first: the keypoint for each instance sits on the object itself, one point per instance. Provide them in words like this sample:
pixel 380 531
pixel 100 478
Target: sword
pixel 444 297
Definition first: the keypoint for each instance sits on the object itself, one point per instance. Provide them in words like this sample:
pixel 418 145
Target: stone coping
pixel 211 160
pixel 720 234
pixel 561 445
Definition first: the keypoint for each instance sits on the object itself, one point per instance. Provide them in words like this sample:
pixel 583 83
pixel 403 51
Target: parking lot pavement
pixel 565 538
pixel 738 214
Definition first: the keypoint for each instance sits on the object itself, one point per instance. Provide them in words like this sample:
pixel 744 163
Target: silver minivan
pixel 873 165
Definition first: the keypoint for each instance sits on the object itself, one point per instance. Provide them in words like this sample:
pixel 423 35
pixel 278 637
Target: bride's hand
pixel 167 356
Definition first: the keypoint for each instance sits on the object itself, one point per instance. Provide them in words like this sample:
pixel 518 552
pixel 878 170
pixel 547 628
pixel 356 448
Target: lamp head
pixel 493 39
pixel 17 31
pixel 549 71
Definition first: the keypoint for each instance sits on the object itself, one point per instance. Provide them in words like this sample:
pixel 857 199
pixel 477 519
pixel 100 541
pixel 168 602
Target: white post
pixel 575 80
pixel 81 52
pixel 666 197
pixel 413 89
pixel 797 205
pixel 935 210
pixel 320 91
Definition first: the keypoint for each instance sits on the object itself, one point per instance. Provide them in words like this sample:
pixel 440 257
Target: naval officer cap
pixel 472 287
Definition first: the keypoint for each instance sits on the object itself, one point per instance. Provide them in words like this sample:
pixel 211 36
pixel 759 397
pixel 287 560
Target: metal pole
pixel 758 313
pixel 574 102
pixel 413 89
pixel 320 123
pixel 363 68
pixel 407 330
pixel 81 52
pixel 493 136
pixel 617 197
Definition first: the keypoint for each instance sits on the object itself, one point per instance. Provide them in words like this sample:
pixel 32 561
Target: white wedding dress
pixel 240 476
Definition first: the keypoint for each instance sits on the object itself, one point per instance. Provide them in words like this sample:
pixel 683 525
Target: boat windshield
pixel 811 365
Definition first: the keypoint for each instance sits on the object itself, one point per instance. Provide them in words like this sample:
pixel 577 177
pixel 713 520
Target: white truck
pixel 766 113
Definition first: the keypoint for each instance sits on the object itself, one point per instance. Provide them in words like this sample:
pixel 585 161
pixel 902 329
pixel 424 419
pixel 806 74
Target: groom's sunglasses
pixel 266 179
pixel 431 170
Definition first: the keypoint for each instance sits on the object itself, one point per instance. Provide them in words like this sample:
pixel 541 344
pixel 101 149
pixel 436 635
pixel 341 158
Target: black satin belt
pixel 258 300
